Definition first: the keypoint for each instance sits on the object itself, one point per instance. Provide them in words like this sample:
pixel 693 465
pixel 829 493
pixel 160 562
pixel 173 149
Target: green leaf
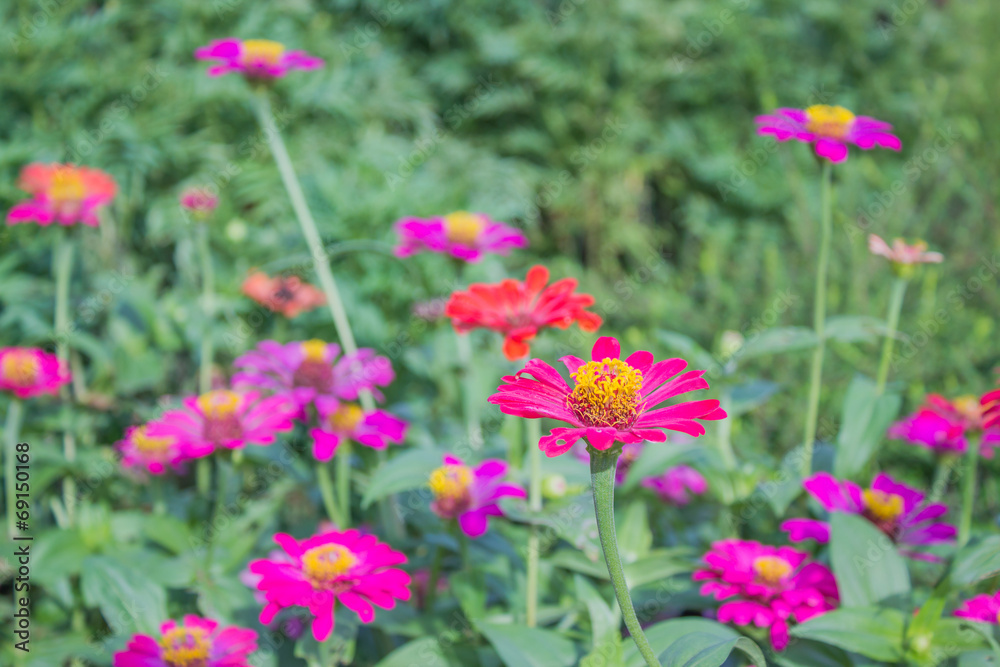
pixel 406 471
pixel 529 647
pixel 634 535
pixel 469 587
pixel 873 632
pixel 664 635
pixel 605 626
pixel 686 347
pixel 124 594
pixel 425 652
pixel 657 566
pixel 168 531
pixel 978 659
pixel 854 328
pixel 976 562
pixel 865 416
pixel 868 567
pixel 745 397
pixel 778 340
pixel 700 649
pixel 57 553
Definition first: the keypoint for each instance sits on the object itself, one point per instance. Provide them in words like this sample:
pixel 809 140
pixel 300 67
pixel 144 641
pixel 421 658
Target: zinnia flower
pixel 829 128
pixel 471 494
pixel 770 585
pixel 990 409
pixel 895 509
pixel 347 567
pixel 304 371
pixel 518 310
pixel 463 235
pixel 155 455
pixel 612 400
pixel 62 193
pixel 259 59
pixel 982 608
pixel 197 642
pixel 341 420
pixel 200 201
pixel 901 253
pixel 677 485
pixel 943 425
pixel 30 371
pixel 225 418
pixel 286 295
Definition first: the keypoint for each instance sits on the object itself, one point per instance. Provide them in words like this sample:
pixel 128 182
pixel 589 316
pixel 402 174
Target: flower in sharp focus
pixel 227 419
pixel 766 586
pixel 518 310
pixel 260 59
pixel 896 509
pixel 62 193
pixel 612 400
pixel 346 567
pixel 944 425
pixel 200 201
pixel 982 608
pixel 677 485
pixel 287 295
pixel 155 455
pixel 829 128
pixel 463 235
pixel 307 370
pixel 29 371
pixel 471 494
pixel 341 420
pixel 195 642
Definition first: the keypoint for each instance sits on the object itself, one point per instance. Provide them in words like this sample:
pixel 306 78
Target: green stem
pixel 532 436
pixel 208 308
pixel 725 432
pixel 203 477
pixel 470 402
pixel 221 483
pixel 62 266
pixel 344 482
pixel 433 577
pixel 819 316
pixel 159 497
pixel 895 307
pixel 968 490
pixel 326 492
pixel 942 474
pixel 11 430
pixel 602 476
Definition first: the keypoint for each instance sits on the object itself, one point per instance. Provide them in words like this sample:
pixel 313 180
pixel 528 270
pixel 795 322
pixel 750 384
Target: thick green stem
pixel 326 492
pixel 532 436
pixel 470 402
pixel 62 266
pixel 11 430
pixel 819 317
pixel 207 308
pixel 602 476
pixel 968 490
pixel 895 308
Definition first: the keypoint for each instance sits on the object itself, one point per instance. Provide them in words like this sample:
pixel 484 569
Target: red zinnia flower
pixel 518 310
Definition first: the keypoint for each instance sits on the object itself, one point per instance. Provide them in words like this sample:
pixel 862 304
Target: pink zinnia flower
pixel 463 235
pixel 770 585
pixel 155 455
pixel 943 425
pixel 347 567
pixel 341 420
pixel 287 295
pixel 982 608
pixel 62 193
pixel 612 400
pixel 307 370
pixel 901 253
pixel 471 494
pixel 255 58
pixel 199 200
pixel 197 642
pixel 677 485
pixel 829 128
pixel 225 418
pixel 895 509
pixel 29 371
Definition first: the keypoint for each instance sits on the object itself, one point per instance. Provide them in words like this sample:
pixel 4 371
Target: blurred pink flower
pixel 677 485
pixel 29 371
pixel 62 193
pixel 255 58
pixel 196 642
pixel 343 420
pixel 982 608
pixel 463 235
pixel 471 494
pixel 943 425
pixel 829 128
pixel 199 200
pixel 156 456
pixel 287 295
pixel 901 253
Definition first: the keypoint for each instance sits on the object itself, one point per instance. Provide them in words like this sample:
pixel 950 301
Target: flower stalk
pixel 892 325
pixel 62 266
pixel 968 489
pixel 11 430
pixel 208 308
pixel 532 436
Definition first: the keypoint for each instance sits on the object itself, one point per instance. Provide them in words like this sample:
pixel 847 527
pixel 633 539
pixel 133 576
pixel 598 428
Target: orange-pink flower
pixel 900 253
pixel 62 193
pixel 287 295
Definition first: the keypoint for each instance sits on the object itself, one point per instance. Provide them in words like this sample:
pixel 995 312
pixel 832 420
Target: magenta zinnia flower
pixel 766 585
pixel 463 235
pixel 255 58
pixel 200 201
pixel 303 372
pixel 347 567
pixel 943 426
pixel 155 455
pixel 611 401
pixel 471 494
pixel 29 371
pixel 62 193
pixel 677 485
pixel 343 420
pixel 829 128
pixel 895 509
pixel 197 642
pixel 983 608
pixel 225 418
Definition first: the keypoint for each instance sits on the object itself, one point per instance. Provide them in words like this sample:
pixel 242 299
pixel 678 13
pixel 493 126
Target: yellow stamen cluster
pixel 607 393
pixel 451 482
pixel 969 407
pixel 829 121
pixel 322 565
pixel 771 570
pixel 20 368
pixel 347 417
pixel 257 51
pixel 882 506
pixel 463 227
pixel 219 403
pixel 66 185
pixel 185 647
pixel 314 350
pixel 150 445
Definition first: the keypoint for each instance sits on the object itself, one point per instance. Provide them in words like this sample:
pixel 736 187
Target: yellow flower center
pixel 261 52
pixel 883 507
pixel 451 482
pixel 150 445
pixel 347 417
pixel 828 121
pixel 968 406
pixel 771 570
pixel 219 403
pixel 20 368
pixel 463 227
pixel 606 393
pixel 324 564
pixel 186 647
pixel 66 185
pixel 314 350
